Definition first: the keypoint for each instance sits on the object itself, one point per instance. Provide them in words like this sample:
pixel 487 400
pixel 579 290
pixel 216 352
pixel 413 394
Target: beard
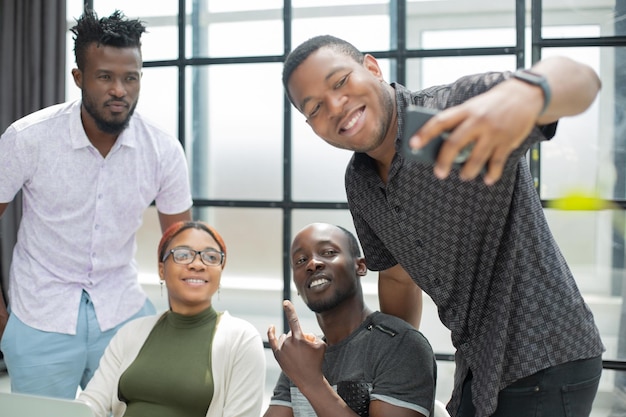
pixel 337 298
pixel 107 126
pixel 387 104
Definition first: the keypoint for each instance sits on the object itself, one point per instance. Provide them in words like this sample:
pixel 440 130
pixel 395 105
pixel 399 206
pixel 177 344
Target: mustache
pixel 118 102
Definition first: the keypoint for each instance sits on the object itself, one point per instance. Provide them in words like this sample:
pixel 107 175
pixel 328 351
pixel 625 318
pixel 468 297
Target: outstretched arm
pixel 574 86
pixel 499 120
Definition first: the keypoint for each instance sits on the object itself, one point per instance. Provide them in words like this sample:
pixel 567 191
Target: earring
pixel 162 282
pixel 218 292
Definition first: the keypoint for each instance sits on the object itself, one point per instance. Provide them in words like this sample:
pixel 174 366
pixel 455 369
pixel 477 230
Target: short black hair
pixel 355 250
pixel 115 30
pixel 304 50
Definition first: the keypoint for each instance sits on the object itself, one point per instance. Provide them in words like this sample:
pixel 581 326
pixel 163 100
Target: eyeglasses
pixel 185 256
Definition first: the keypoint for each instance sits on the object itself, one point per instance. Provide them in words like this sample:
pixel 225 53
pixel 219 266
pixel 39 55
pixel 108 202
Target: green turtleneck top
pixel 171 375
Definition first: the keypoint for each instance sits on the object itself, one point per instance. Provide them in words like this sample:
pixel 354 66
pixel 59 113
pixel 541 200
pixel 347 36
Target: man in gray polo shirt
pixel 368 363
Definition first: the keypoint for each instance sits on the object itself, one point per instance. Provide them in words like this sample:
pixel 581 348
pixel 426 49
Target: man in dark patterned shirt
pixel 474 237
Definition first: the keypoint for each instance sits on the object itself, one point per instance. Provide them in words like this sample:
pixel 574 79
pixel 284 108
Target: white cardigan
pixel 238 366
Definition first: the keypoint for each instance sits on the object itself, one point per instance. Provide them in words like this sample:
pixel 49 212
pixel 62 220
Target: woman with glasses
pixel 191 360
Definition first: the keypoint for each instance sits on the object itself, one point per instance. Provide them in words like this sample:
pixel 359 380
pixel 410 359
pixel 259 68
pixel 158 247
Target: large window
pixel 212 77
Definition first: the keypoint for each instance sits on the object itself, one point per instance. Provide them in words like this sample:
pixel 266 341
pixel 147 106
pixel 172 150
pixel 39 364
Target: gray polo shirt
pixel 384 359
pixel 485 255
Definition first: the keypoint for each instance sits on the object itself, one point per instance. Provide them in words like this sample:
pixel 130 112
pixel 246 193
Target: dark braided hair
pixel 115 30
pixel 304 50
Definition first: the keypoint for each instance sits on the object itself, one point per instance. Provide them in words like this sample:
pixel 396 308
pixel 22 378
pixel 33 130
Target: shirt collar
pixel 79 138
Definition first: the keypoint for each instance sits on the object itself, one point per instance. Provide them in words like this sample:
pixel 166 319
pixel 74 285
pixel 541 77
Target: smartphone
pixel 414 119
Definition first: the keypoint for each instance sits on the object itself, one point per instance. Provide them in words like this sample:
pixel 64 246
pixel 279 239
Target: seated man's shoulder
pixel 393 326
pixel 393 322
pixel 390 332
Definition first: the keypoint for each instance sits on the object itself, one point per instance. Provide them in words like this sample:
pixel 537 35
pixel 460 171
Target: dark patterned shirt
pixel 484 254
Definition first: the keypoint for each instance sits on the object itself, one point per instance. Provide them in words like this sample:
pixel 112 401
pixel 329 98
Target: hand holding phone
pixel 414 119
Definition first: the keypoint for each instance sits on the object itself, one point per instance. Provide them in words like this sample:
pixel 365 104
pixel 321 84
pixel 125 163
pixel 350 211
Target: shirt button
pixel 99 196
pixel 97 227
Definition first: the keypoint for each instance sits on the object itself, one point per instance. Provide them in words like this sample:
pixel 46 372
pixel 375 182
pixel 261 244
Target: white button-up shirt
pixel 81 213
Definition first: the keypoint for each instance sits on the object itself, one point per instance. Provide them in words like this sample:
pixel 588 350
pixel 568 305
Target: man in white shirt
pixel 88 170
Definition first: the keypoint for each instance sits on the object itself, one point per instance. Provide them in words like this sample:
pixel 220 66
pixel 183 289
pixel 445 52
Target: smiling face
pixel 110 84
pixel 345 102
pixel 325 270
pixel 190 287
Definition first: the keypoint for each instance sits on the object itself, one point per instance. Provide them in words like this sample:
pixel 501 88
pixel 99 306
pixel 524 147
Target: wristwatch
pixel 539 80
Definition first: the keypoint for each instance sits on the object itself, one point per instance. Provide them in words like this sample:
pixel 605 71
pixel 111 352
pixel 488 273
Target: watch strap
pixel 538 80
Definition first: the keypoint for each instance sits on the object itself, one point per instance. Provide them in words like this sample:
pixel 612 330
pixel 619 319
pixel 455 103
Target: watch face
pixel 529 76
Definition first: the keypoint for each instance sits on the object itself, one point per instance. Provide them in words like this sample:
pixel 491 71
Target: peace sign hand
pixel 300 355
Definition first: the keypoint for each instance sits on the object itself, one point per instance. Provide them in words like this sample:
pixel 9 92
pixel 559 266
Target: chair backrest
pixel 22 405
pixel 440 410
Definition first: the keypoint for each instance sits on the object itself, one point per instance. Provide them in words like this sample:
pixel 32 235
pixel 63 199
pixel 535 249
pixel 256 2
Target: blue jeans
pixel 56 364
pixel 565 390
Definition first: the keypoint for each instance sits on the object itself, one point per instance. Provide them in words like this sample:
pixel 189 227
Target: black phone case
pixel 414 118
